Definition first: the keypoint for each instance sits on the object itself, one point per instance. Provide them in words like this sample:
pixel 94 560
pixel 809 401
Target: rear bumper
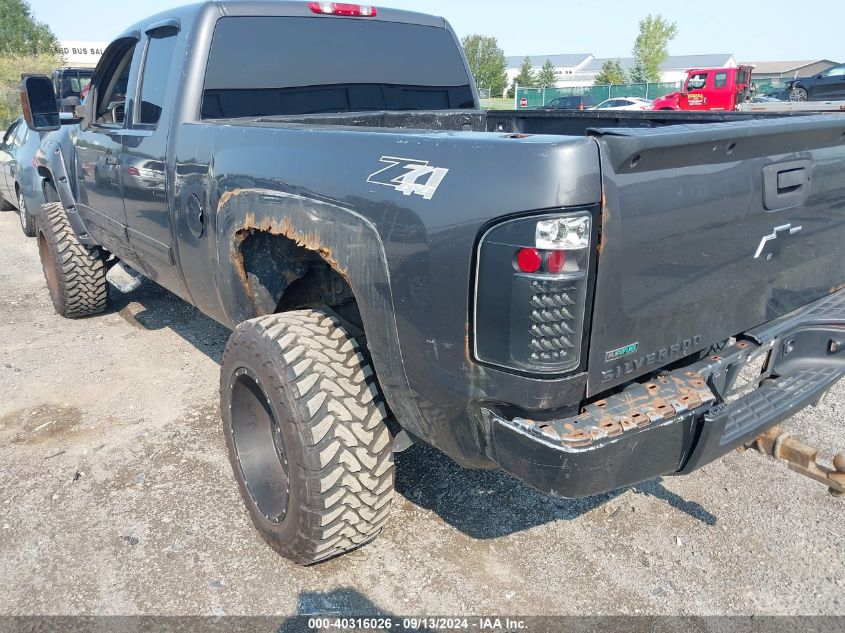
pixel 680 420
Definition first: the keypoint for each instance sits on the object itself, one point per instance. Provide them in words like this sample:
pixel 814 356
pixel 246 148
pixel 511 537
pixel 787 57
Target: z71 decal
pixel 409 176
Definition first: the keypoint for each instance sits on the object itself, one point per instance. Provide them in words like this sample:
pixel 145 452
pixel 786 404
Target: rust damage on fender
pixel 287 267
pixel 603 220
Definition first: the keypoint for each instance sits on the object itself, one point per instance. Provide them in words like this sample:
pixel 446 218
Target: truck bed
pixel 563 123
pixel 577 122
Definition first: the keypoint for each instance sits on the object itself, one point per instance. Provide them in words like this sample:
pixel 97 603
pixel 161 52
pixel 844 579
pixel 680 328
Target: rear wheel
pixel 306 434
pixel 75 274
pixel 27 221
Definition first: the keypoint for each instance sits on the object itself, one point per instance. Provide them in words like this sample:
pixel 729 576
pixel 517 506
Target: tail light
pixel 342 8
pixel 531 292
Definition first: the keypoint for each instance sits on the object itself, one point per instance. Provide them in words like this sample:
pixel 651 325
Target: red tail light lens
pixel 529 260
pixel 555 262
pixel 133 171
pixel 342 8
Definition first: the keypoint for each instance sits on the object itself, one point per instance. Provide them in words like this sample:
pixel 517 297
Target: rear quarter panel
pixel 408 258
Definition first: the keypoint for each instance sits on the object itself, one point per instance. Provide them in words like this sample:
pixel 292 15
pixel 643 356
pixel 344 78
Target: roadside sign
pixel 523 103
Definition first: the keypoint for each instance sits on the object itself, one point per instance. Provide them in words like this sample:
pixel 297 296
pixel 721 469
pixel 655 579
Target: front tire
pixel 27 221
pixel 798 94
pixel 75 274
pixel 305 430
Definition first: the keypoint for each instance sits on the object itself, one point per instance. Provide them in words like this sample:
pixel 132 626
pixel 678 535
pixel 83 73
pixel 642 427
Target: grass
pixel 497 104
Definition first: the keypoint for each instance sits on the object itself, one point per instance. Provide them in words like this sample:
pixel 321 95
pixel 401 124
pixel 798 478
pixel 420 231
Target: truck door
pixel 696 92
pixel 98 152
pixel 722 95
pixel 143 159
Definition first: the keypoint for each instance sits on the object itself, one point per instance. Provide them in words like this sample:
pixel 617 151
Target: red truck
pixel 710 89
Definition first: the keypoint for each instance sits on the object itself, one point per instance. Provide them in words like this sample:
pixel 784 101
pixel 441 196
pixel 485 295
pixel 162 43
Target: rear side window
pixel 156 74
pixel 290 65
pixel 721 80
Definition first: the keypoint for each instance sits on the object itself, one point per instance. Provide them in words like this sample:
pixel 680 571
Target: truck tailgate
pixel 710 230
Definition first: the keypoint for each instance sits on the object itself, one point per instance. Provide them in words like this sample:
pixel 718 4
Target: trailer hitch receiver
pixel 801 457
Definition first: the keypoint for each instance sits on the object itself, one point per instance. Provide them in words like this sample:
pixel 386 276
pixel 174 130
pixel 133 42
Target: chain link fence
pixel 769 86
pixel 539 97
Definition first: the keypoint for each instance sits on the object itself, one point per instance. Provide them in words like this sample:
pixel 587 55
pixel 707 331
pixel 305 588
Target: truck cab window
pixel 697 81
pixel 111 103
pixel 720 80
pixel 156 73
pixel 277 66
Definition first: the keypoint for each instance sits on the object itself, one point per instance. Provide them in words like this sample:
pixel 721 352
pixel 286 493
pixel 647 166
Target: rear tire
pixel 306 434
pixel 27 221
pixel 75 274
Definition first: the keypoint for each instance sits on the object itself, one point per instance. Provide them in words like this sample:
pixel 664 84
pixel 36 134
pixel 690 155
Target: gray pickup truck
pixel 569 297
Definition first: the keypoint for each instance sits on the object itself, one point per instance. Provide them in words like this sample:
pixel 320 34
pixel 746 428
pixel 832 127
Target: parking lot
pixel 116 497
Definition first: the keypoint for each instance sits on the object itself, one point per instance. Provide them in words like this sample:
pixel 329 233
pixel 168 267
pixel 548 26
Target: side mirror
pixel 38 99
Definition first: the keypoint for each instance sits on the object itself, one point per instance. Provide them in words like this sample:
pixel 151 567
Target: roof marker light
pixel 344 9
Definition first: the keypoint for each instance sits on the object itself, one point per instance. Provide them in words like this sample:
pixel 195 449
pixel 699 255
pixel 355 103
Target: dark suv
pixel 578 102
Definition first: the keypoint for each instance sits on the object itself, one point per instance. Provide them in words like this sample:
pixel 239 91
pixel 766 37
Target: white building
pixel 565 65
pixel 79 54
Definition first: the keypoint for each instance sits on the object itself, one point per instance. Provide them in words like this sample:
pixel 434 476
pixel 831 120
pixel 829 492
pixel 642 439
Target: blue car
pixel 21 187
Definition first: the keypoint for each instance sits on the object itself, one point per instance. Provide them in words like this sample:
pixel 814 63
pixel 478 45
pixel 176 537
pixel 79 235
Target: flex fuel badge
pixel 622 352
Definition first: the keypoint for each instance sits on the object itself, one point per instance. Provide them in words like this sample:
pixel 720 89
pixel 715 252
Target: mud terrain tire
pixel 305 429
pixel 75 274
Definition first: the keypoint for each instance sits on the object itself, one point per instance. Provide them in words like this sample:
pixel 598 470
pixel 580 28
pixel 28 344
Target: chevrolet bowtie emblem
pixel 772 245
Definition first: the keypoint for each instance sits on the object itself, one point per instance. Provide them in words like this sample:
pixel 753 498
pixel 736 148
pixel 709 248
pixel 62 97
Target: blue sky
pixel 753 30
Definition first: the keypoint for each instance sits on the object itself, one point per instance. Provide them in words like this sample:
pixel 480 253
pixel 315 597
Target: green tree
pixel 11 68
pixel 26 46
pixel 526 77
pixel 20 33
pixel 611 73
pixel 652 48
pixel 547 77
pixel 487 62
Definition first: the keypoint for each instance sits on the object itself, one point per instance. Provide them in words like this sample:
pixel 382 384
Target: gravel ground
pixel 116 497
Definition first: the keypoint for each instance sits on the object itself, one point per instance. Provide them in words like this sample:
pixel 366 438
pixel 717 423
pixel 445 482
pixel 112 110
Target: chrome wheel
pixel 798 94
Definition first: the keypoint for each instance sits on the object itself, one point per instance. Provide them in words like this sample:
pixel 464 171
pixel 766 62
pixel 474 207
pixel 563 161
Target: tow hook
pixel 801 457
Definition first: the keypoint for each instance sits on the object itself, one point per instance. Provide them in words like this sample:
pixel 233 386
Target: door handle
pixel 791 180
pixel 786 185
